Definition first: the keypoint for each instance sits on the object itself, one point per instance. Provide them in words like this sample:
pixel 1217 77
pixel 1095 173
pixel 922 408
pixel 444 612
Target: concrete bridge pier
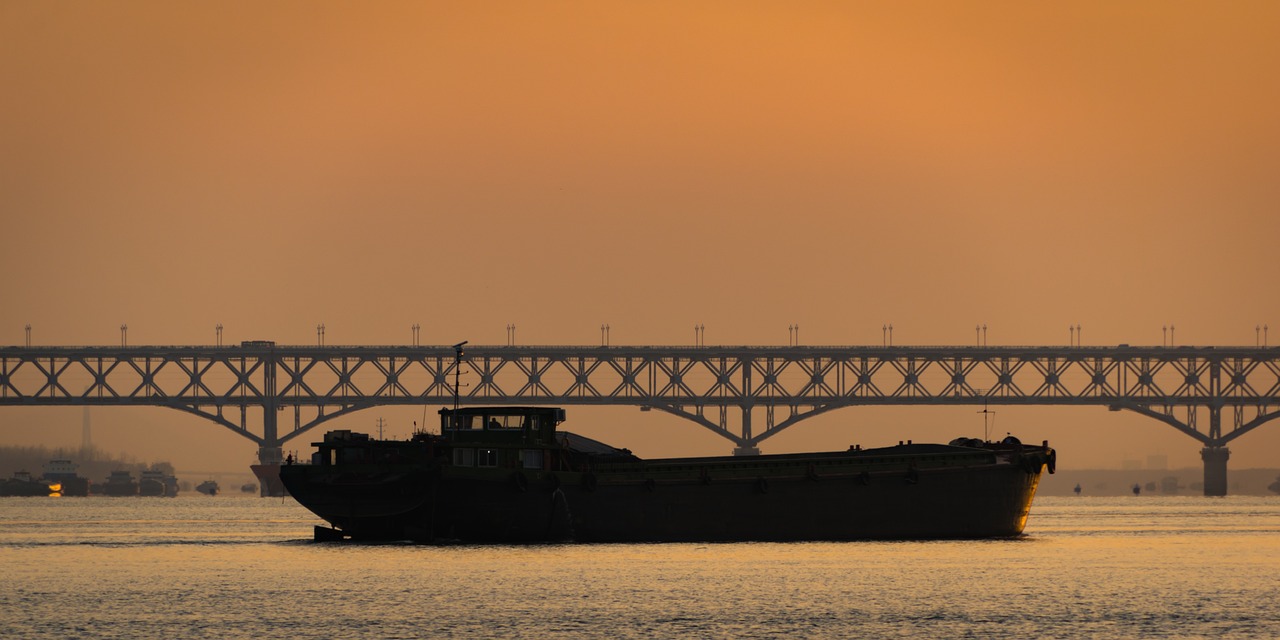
pixel 270 457
pixel 1215 470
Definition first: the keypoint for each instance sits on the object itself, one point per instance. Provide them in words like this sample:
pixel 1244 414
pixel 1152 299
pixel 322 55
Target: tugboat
pixel 119 483
pixel 208 487
pixel 22 484
pixel 506 474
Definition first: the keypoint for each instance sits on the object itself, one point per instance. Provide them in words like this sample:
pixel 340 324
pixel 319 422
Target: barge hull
pixel 434 505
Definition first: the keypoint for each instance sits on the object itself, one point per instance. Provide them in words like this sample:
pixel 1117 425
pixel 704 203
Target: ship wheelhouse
pixel 474 437
pixel 500 437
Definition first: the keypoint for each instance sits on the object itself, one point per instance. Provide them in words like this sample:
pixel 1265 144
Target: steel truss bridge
pixel 248 388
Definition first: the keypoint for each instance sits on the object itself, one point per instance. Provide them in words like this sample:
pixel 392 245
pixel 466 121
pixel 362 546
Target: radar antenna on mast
pixel 988 421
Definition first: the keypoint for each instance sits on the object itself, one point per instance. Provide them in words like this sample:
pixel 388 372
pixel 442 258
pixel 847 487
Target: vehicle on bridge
pixel 506 474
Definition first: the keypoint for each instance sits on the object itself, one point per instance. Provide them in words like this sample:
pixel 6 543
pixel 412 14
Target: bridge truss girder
pixel 322 383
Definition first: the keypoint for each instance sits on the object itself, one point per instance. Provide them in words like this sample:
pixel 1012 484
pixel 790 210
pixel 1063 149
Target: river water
pixel 236 567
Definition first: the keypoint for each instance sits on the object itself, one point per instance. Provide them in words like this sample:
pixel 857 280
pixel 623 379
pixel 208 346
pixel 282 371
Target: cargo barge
pixel 508 475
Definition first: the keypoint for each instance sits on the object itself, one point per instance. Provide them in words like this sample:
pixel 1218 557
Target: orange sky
pixel 651 165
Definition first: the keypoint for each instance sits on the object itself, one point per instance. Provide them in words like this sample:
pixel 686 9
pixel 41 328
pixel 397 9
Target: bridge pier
pixel 1215 470
pixel 268 470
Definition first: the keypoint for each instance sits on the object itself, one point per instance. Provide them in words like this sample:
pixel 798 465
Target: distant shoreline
pixel 1116 482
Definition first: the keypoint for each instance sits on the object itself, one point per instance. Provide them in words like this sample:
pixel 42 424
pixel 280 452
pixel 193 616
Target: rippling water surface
pixel 232 567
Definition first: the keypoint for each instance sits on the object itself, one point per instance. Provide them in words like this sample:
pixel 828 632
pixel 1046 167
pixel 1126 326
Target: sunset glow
pixel 653 166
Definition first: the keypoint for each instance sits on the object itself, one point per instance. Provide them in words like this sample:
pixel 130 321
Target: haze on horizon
pixel 558 166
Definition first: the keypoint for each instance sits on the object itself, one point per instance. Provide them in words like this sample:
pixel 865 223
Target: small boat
pixel 506 474
pixel 208 487
pixel 248 487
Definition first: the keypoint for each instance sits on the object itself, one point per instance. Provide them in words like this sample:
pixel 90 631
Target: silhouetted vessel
pixel 23 484
pixel 504 474
pixel 62 475
pixel 119 483
pixel 208 487
pixel 155 482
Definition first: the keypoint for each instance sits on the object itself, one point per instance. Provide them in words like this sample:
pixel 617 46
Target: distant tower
pixel 86 442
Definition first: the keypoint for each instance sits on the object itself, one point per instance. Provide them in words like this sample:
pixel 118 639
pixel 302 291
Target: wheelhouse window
pixel 464 457
pixel 487 458
pixel 501 423
pixel 467 422
pixel 531 458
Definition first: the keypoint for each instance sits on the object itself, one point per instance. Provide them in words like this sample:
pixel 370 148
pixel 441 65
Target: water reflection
pixel 194 567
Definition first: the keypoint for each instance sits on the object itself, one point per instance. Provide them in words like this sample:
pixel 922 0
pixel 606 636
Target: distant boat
pixel 208 487
pixel 248 487
pixel 1137 489
pixel 1077 489
pixel 151 483
pixel 63 474
pixel 1275 486
pixel 22 484
pixel 171 486
pixel 119 483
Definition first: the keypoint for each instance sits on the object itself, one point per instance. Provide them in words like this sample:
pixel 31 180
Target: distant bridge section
pixel 247 388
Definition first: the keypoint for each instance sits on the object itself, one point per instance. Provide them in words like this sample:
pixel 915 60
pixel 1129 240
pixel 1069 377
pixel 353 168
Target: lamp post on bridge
pixel 218 329
pixel 416 328
pixel 320 335
pixel 124 335
pixel 604 335
pixel 28 328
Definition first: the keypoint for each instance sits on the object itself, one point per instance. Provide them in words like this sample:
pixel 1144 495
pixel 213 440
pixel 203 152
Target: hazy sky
pixel 651 165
